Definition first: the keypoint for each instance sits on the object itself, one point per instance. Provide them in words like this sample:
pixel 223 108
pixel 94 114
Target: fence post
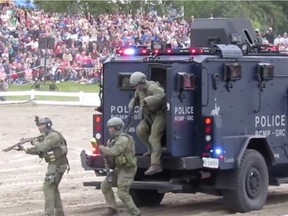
pixel 32 96
pixel 81 97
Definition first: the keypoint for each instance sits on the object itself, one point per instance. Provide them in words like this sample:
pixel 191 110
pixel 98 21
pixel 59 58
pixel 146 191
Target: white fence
pixel 84 99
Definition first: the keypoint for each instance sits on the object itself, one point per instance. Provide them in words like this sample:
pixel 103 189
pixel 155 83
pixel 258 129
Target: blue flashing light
pixel 129 51
pixel 218 151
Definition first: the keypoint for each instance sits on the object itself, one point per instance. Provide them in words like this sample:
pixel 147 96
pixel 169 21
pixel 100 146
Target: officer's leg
pixel 49 193
pixel 124 182
pixel 157 131
pixel 143 132
pixel 58 202
pixel 106 188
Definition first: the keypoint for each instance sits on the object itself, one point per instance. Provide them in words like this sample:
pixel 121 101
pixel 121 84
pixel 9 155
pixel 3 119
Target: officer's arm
pixel 134 101
pixel 117 149
pixel 50 140
pixel 32 151
pixel 157 94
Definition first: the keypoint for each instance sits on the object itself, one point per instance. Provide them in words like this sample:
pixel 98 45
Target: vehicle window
pixel 124 81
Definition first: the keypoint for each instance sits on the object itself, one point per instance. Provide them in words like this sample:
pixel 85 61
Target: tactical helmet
pixel 137 78
pixel 40 121
pixel 116 122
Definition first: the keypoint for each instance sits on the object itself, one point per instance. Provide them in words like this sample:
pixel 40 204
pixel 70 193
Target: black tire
pixel 147 198
pixel 251 180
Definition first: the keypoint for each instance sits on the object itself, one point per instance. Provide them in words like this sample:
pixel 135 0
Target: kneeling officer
pixel 120 156
pixel 53 149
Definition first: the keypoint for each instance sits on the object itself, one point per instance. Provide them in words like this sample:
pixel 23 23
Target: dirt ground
pixel 21 175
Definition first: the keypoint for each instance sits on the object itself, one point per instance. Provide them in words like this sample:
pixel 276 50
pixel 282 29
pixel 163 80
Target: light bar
pixel 129 51
pixel 138 51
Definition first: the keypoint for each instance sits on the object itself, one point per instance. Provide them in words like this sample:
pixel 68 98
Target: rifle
pixel 23 141
pixel 131 112
pixel 129 118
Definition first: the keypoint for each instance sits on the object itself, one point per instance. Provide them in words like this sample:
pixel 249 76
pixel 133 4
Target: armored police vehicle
pixel 226 131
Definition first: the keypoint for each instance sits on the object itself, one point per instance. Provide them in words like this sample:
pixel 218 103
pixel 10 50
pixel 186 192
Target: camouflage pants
pixel 123 178
pixel 150 131
pixel 53 202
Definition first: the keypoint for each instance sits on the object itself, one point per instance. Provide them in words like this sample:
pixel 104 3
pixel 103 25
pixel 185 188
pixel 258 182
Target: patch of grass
pixel 62 87
pixel 51 98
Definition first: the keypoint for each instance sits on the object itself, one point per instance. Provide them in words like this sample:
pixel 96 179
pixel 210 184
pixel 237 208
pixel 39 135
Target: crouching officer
pixel 53 149
pixel 120 155
pixel 150 96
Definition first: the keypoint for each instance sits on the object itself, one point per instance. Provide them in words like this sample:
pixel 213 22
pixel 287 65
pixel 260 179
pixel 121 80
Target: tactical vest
pixel 160 107
pixel 127 158
pixel 58 151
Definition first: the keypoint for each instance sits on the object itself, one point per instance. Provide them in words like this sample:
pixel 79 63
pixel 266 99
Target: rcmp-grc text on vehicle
pixel 226 131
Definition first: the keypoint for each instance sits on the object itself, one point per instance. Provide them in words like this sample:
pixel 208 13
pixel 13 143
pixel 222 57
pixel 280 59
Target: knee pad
pixel 142 129
pixel 105 187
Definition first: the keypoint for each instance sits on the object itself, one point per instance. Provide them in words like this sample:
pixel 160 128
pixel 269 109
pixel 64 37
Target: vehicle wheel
pixel 251 180
pixel 144 198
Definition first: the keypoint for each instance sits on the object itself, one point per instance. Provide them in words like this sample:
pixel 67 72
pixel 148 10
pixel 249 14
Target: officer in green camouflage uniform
pixel 120 156
pixel 53 149
pixel 150 96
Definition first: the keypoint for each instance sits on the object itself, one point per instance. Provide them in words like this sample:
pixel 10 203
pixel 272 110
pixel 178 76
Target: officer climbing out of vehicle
pixel 150 97
pixel 120 156
pixel 53 148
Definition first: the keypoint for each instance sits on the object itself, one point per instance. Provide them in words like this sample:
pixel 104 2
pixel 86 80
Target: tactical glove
pixel 18 148
pixel 143 103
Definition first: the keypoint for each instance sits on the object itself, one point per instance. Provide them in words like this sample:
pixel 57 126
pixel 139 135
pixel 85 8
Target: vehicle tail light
pixel 209 148
pixel 208 136
pixel 97 133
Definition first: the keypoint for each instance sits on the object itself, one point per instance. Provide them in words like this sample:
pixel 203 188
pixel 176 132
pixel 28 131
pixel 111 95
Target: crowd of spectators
pixel 82 42
pixel 279 42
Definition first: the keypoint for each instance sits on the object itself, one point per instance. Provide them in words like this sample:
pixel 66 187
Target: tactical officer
pixel 150 96
pixel 53 149
pixel 3 87
pixel 120 156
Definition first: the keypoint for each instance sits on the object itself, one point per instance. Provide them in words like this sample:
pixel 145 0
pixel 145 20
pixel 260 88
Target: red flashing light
pixel 144 51
pixel 155 51
pixel 208 120
pixel 208 130
pixel 98 128
pixel 221 157
pixel 195 51
pixel 98 119
pixel 169 51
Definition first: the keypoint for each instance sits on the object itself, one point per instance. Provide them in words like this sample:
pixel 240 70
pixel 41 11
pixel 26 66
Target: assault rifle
pixel 23 141
pixel 131 112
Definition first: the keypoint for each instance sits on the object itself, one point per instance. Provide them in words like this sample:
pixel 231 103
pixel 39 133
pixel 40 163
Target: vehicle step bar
pixel 160 186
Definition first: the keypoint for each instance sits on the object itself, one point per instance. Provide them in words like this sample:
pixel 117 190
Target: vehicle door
pixel 180 109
